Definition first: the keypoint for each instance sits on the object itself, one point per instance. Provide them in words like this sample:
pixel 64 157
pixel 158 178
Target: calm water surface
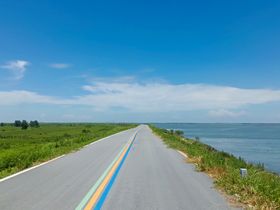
pixel 257 143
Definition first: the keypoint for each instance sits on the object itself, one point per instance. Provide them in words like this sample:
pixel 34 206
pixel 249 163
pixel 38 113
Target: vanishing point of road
pixel 129 170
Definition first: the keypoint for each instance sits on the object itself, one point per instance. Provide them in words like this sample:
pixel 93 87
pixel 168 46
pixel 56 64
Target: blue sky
pixel 171 61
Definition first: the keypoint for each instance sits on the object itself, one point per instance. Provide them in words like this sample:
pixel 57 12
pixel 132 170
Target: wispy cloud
pixel 121 79
pixel 60 65
pixel 17 67
pixel 16 97
pixel 155 97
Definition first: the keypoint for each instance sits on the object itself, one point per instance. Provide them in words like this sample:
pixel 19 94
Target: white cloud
pixel 26 97
pixel 17 67
pixel 155 97
pixel 60 65
pixel 223 113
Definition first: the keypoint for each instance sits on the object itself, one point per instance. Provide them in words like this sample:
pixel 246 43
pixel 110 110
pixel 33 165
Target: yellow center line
pixel 101 187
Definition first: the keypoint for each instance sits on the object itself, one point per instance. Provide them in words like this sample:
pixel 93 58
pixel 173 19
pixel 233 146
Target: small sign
pixel 243 172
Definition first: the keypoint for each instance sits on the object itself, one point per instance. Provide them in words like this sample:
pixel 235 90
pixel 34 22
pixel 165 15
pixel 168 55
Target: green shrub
pixel 179 133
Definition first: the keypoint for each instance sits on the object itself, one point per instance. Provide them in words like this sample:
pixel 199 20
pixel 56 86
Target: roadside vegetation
pixel 24 144
pixel 260 189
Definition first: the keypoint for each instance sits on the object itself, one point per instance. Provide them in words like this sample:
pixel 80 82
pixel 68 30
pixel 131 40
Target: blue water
pixel 256 143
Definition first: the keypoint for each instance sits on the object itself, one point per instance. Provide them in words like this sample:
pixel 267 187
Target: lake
pixel 254 142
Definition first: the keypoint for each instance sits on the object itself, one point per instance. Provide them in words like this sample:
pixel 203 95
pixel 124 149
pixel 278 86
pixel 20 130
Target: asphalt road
pixel 135 168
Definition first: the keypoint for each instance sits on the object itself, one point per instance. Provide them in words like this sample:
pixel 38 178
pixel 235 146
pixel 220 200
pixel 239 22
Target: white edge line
pixel 28 169
pixel 115 134
pixel 182 153
pixel 41 164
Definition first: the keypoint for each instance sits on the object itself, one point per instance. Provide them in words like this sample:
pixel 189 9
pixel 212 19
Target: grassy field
pixel 20 149
pixel 259 190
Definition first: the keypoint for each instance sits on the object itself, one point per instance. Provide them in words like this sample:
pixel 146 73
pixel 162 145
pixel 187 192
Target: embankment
pixel 259 190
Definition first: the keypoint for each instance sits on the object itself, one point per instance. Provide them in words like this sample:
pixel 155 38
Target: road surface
pixel 130 170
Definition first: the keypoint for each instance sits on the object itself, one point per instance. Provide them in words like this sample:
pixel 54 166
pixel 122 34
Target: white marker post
pixel 243 172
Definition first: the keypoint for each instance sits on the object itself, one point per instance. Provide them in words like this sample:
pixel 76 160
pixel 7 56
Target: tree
pixel 34 123
pixel 37 125
pixel 2 124
pixel 17 123
pixel 24 125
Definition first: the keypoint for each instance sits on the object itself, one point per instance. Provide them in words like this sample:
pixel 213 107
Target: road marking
pixel 29 169
pixel 110 184
pixel 182 153
pixel 97 194
pixel 95 186
pixel 41 164
pixel 102 186
pixel 107 137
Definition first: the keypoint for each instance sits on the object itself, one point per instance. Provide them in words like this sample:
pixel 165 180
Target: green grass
pixel 20 149
pixel 259 190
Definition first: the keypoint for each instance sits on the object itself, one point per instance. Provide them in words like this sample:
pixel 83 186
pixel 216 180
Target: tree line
pixel 24 124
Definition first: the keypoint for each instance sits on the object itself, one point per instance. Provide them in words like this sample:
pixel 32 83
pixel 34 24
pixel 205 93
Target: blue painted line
pixel 101 201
